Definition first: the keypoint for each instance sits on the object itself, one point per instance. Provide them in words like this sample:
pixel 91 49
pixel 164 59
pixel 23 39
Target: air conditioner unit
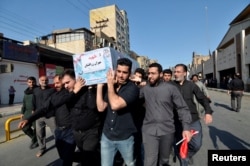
pixel 6 68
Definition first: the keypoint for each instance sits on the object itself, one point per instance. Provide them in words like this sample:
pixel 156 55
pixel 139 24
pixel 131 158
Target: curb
pixel 6 110
pixel 225 91
pixel 4 114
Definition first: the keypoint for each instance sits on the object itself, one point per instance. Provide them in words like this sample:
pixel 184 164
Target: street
pixel 229 130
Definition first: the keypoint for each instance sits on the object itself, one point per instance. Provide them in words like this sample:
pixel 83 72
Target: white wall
pixel 17 79
pixel 208 66
pixel 226 58
pixel 247 49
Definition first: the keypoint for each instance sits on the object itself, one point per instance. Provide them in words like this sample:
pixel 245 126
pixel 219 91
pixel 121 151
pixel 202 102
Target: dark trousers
pixel 88 143
pixel 138 149
pixel 157 149
pixel 11 99
pixel 30 130
pixel 236 96
pixel 65 145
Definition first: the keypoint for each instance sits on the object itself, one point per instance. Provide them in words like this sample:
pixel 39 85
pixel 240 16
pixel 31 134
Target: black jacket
pixel 56 105
pixel 84 110
pixel 40 96
pixel 236 85
pixel 188 89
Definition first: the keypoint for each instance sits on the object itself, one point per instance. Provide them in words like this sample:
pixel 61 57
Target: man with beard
pixel 188 90
pixel 57 105
pixel 161 99
pixel 40 95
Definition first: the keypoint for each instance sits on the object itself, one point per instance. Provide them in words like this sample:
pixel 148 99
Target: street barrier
pixel 7 126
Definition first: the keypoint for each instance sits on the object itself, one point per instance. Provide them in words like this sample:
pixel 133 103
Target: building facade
pixel 144 62
pixel 232 54
pixel 20 60
pixel 114 23
pixel 70 40
pixel 197 65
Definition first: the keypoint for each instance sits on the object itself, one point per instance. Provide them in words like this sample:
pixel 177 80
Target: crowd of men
pixel 139 118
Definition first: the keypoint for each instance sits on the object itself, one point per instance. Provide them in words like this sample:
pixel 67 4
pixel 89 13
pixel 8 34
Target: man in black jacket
pixel 57 105
pixel 40 95
pixel 188 89
pixel 236 89
pixel 85 120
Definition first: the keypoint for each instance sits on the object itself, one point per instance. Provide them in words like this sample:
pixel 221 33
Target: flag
pixel 184 149
pixel 184 146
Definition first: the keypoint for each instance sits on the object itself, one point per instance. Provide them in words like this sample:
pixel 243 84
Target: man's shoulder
pixel 131 85
pixel 200 84
pixel 36 89
pixel 170 83
pixel 51 90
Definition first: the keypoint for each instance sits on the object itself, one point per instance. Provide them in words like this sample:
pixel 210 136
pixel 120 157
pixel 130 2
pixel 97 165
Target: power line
pixel 25 27
pixel 16 22
pixel 21 19
pixel 14 30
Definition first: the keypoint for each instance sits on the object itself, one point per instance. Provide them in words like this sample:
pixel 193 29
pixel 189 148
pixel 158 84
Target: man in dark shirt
pixel 138 117
pixel 56 105
pixel 40 95
pixel 119 101
pixel 188 89
pixel 161 100
pixel 236 88
pixel 85 120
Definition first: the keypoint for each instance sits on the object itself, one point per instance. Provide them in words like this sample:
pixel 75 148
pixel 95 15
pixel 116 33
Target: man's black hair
pixel 141 71
pixel 183 66
pixel 125 62
pixel 194 75
pixel 59 76
pixel 32 78
pixel 69 72
pixel 168 71
pixel 157 65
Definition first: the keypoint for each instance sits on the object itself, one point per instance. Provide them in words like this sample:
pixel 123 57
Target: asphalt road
pixel 229 130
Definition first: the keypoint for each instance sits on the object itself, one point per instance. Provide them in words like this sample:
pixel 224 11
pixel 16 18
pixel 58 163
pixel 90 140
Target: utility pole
pixel 101 24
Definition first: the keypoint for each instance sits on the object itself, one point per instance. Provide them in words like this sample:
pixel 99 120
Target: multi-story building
pixel 152 61
pixel 20 60
pixel 233 53
pixel 197 64
pixel 114 23
pixel 71 40
pixel 143 61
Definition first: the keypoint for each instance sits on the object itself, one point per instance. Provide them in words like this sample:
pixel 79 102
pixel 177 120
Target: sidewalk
pixel 6 110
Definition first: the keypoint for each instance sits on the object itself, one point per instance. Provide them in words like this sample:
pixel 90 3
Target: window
pixel 69 37
pixel 6 68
